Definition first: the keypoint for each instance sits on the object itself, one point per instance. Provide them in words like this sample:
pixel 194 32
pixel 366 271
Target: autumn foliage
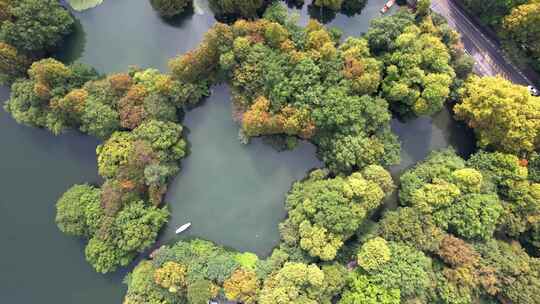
pixel 259 121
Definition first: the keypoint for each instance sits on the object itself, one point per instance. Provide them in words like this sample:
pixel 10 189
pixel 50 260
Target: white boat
pixel 387 6
pixel 183 228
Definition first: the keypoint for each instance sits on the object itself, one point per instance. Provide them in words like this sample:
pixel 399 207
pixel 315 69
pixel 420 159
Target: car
pixel 533 90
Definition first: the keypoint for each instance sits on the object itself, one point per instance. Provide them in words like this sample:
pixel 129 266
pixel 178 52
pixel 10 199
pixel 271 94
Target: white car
pixel 533 90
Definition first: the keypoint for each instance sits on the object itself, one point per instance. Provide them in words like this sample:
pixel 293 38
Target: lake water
pixel 232 193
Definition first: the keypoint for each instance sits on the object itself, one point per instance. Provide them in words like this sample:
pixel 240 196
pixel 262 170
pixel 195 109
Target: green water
pixel 232 193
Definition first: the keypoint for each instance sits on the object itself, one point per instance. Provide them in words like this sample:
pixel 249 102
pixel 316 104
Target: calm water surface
pixel 232 193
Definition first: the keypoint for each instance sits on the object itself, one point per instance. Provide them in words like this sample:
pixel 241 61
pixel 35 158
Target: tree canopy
pixel 135 113
pixel 35 26
pixel 270 62
pixel 170 8
pixel 459 199
pixel 324 212
pixel 466 231
pixel 418 72
pixel 503 115
pixel 238 8
pixel 522 27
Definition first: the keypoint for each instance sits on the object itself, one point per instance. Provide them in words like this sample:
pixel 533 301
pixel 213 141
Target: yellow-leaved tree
pixel 503 115
pixel 523 27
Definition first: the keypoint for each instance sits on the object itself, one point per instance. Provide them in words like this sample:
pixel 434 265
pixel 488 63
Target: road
pixel 489 59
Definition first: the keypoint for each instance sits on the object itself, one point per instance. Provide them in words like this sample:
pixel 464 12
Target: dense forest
pixel 464 230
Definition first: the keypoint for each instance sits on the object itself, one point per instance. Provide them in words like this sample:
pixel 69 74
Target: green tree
pixel 39 101
pixel 36 26
pixel 407 271
pixel 142 287
pixel 323 213
pixel 518 192
pixel 412 227
pixel 423 7
pixel 136 226
pixel 346 142
pixel 25 106
pixel 170 8
pixel 522 26
pixel 74 210
pixel 295 283
pixel 13 65
pixel 240 8
pixel 200 292
pixel 373 254
pixel 438 164
pixel 163 136
pixel 276 34
pixel 418 71
pixel 335 279
pixel 458 199
pixel 331 4
pixel 517 278
pixel 99 119
pixel 503 115
pixel 114 154
pixel 361 290
pixel 533 166
pixel 200 65
pixel 247 260
pixel 103 256
pixel 384 31
pixel 133 230
pixel 492 12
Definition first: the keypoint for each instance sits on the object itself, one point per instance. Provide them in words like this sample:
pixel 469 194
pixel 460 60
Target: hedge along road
pixel 233 194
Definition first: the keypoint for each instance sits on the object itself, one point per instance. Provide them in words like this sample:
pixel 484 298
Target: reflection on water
pixel 352 23
pixel 422 135
pixel 38 263
pixel 74 45
pixel 350 8
pixel 232 193
pixel 120 33
pixel 201 7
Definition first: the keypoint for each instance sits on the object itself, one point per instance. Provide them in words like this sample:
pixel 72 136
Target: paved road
pixel 488 56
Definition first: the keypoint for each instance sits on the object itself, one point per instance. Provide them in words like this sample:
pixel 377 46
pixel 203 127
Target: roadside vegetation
pixel 463 231
pixel 517 24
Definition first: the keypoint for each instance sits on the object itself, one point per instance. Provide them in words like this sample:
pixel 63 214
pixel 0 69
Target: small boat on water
pixel 183 228
pixel 387 6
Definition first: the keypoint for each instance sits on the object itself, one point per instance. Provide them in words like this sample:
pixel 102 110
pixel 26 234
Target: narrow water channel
pixel 232 193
